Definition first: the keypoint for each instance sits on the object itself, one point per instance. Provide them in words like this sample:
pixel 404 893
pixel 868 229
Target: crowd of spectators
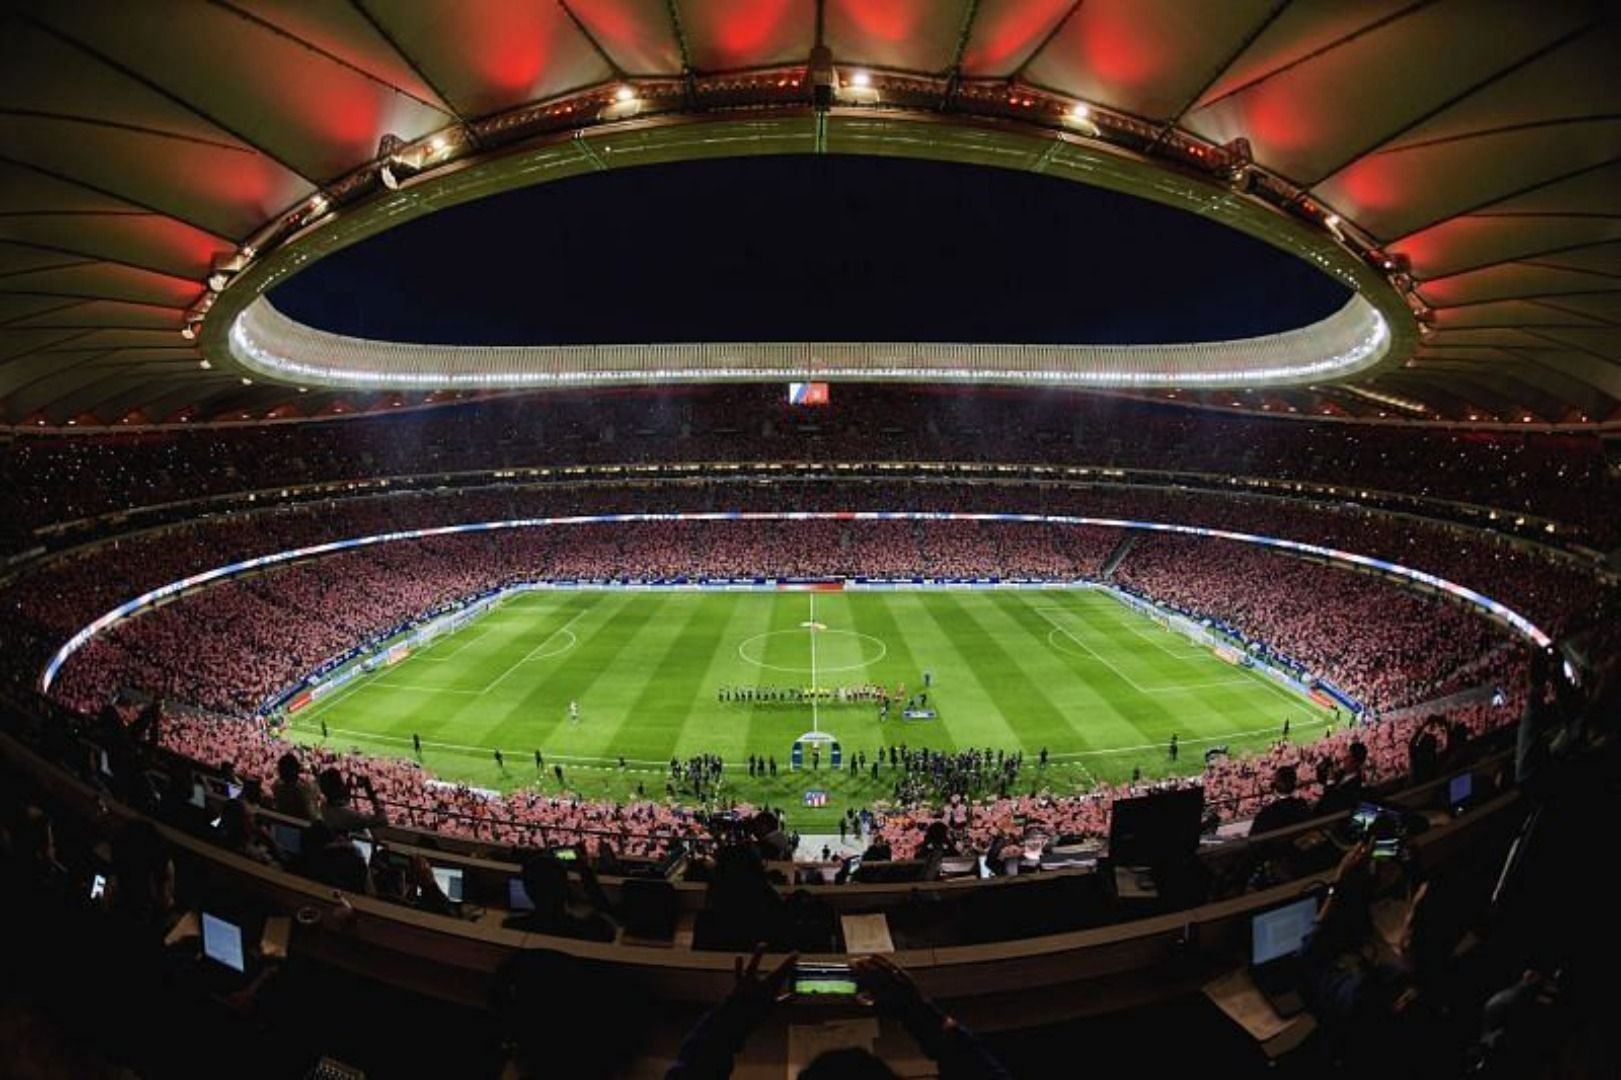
pixel 1236 788
pixel 231 647
pixel 949 800
pixel 53 599
pixel 53 478
pixel 228 648
pixel 1385 646
pixel 403 793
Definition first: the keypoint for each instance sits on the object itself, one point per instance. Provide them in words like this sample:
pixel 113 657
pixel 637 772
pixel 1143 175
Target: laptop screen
pixel 222 942
pixel 518 896
pixel 288 837
pixel 1282 931
pixel 449 882
pixel 1461 787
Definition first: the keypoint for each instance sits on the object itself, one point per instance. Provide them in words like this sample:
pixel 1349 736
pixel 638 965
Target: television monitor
pixel 1157 828
pixel 222 942
pixel 518 896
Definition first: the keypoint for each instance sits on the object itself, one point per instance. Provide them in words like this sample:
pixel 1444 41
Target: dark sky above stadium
pixel 809 249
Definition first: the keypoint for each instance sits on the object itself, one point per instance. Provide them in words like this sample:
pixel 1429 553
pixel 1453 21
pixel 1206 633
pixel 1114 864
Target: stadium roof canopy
pixel 1458 162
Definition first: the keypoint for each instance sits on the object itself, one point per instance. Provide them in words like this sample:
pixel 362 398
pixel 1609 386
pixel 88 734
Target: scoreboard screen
pixel 807 393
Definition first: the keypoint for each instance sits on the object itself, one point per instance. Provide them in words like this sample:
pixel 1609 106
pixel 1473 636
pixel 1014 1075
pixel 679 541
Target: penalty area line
pixel 499 679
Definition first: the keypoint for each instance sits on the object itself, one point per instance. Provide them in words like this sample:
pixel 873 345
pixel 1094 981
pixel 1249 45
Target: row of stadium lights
pixel 400 160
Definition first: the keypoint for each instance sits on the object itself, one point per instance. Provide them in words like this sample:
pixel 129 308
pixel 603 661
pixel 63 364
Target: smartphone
pixel 98 887
pixel 824 982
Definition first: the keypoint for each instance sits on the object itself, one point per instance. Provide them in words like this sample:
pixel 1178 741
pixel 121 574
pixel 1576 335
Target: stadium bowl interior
pixel 1055 523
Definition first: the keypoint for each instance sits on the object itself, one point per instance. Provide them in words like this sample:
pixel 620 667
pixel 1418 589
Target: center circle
pixel 837 650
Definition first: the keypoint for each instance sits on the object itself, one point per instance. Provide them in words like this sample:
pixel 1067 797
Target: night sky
pixel 809 249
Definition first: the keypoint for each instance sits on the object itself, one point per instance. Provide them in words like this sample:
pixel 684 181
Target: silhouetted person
pixel 1285 810
pixel 338 814
pixel 291 794
pixel 1346 792
pixel 545 879
pixel 711 1047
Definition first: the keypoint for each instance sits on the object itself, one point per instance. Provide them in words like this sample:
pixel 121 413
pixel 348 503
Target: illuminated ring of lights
pixel 821 669
pixel 239 330
pixel 271 344
pixel 1522 625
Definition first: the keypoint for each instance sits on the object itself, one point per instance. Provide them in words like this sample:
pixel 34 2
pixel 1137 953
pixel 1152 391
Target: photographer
pixel 711 1047
pixel 337 813
pixel 545 880
pixel 1366 992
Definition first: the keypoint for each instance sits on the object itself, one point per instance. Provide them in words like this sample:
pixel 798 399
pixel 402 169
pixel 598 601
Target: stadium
pixel 707 538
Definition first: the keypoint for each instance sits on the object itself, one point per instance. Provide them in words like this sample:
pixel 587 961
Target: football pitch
pixel 1099 686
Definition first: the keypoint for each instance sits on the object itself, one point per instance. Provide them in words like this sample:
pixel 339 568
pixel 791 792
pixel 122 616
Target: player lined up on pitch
pixel 860 693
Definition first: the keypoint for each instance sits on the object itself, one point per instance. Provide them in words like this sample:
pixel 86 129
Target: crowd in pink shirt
pixel 411 797
pixel 1386 646
pixel 1235 788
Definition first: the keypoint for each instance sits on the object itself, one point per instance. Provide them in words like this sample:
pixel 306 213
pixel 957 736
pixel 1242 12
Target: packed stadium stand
pixel 1562 478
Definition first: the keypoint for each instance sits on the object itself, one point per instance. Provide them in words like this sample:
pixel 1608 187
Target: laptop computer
pixel 1460 792
pixel 289 838
pixel 449 880
pixel 1277 939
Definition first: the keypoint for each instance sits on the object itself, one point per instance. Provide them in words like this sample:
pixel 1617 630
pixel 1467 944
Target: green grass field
pixel 1101 687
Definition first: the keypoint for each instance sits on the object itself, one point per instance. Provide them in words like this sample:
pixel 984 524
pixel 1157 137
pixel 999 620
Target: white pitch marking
pixel 1059 629
pixel 1276 729
pixel 526 656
